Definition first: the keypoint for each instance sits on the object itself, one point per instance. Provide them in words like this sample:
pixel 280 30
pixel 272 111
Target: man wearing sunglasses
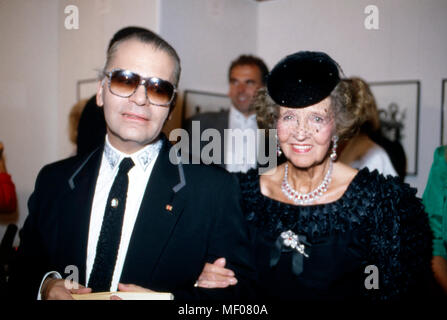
pixel 125 217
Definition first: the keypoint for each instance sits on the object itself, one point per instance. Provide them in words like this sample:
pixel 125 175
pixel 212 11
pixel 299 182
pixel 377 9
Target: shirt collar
pixel 236 114
pixel 141 158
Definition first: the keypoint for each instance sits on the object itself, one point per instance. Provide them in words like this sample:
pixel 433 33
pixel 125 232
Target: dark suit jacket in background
pixel 91 128
pixel 210 120
pixel 167 249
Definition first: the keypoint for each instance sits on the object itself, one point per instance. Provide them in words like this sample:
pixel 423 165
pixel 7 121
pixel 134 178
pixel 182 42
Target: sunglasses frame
pixel 143 81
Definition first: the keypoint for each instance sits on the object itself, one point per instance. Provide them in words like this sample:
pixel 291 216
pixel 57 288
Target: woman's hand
pixel 439 266
pixel 216 275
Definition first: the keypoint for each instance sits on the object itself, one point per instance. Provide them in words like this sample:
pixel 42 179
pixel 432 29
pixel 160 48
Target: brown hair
pixel 244 60
pixel 267 110
pixel 363 105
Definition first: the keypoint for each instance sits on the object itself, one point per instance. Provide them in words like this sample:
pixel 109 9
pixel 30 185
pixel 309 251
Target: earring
pixel 278 148
pixel 334 148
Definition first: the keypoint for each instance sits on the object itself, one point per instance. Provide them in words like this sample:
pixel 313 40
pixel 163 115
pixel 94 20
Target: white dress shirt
pixel 144 160
pixel 241 148
pixel 138 177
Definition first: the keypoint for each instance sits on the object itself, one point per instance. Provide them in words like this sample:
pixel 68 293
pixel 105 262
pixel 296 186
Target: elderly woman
pixel 320 229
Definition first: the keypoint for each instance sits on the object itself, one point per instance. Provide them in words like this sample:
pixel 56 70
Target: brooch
pixel 290 239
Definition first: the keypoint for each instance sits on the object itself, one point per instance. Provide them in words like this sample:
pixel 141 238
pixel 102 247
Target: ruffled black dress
pixel 374 243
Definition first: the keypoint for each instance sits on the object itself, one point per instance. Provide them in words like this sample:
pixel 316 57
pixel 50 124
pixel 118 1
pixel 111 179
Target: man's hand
pixel 58 289
pixel 132 288
pixel 129 288
pixel 216 275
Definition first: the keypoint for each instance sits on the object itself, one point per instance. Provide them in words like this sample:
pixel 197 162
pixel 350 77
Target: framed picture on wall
pixel 201 101
pixel 398 104
pixel 86 88
pixel 444 112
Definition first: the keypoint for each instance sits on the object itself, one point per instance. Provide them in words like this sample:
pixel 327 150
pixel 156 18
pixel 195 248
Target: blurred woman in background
pixel 361 151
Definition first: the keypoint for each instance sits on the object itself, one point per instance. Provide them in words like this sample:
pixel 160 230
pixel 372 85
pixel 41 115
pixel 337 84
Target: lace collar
pixel 142 158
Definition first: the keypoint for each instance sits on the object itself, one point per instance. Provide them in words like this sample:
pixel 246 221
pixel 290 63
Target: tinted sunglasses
pixel 125 83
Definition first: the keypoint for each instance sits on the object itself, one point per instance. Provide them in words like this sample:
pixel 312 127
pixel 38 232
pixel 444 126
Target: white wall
pixel 208 35
pixel 29 54
pixel 410 44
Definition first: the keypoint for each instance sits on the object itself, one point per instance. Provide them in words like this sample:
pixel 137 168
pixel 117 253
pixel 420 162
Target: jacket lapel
pixel 225 124
pixel 160 209
pixel 221 125
pixel 76 207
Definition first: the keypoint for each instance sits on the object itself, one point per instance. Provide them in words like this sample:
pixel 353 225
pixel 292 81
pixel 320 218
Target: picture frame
pixel 86 88
pixel 443 112
pixel 399 107
pixel 195 101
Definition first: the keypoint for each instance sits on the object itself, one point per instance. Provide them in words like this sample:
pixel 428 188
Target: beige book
pixel 125 295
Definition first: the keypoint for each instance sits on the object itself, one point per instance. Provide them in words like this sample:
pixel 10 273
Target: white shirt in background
pixel 240 153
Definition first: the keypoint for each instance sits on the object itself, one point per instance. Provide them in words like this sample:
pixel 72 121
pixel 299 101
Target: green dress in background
pixel 435 201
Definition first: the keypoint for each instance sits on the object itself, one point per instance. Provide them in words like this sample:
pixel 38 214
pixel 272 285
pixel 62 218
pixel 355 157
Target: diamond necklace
pixel 306 198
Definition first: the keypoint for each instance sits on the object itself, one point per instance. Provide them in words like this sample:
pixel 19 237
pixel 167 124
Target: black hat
pixel 303 79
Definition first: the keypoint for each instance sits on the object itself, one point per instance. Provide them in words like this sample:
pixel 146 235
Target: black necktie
pixel 110 235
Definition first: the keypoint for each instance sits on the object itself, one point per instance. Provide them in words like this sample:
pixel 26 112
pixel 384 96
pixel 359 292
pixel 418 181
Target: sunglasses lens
pixel 123 83
pixel 160 91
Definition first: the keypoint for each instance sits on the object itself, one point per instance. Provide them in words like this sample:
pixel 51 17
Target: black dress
pixel 378 221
